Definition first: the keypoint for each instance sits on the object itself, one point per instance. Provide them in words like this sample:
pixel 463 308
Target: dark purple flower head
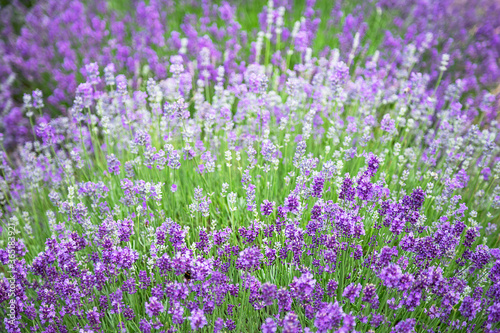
pixel 370 295
pixel 284 300
pixel 154 307
pixel 93 318
pixel 377 320
pixel 125 229
pixel 494 313
pixel 470 236
pixel 397 226
pixel 47 313
pixel 128 313
pixel 317 186
pixel 19 248
pixel 197 319
pixel 386 255
pixel 145 326
pixel 373 164
pixel 364 188
pixel 177 313
pixel 405 326
pixel 351 292
pixel 129 286
pixel 116 299
pixel 347 191
pixel 292 203
pixel 480 257
pixel 266 207
pixel 230 325
pixel 269 293
pixel 218 325
pixel 302 287
pixel 291 323
pixel 316 212
pixel 144 280
pixel 269 326
pixel 249 259
pixel 417 199
pixel 470 307
pixel 331 288
pixel 329 317
pixel 391 275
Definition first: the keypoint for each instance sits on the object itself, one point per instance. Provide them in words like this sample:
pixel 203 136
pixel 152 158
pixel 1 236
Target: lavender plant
pixel 47 44
pixel 290 190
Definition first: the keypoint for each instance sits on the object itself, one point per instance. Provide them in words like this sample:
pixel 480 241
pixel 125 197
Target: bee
pixel 406 90
pixel 187 276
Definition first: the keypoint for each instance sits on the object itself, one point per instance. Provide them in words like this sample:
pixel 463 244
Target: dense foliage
pixel 301 169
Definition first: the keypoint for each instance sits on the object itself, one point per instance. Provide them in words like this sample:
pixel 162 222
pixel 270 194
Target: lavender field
pixel 230 166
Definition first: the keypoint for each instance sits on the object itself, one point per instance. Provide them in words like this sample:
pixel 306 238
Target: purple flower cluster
pixel 355 193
